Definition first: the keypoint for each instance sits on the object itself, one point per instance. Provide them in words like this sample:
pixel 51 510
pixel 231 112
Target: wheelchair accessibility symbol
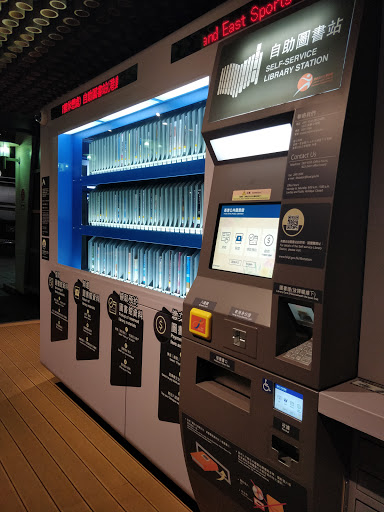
pixel 267 386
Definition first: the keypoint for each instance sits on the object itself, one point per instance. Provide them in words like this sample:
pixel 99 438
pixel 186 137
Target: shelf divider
pixel 141 235
pixel 166 170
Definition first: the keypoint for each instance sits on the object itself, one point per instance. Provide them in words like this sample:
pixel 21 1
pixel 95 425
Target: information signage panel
pixel 294 58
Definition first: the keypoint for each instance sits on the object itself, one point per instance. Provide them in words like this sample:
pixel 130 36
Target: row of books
pixel 158 267
pixel 164 140
pixel 167 207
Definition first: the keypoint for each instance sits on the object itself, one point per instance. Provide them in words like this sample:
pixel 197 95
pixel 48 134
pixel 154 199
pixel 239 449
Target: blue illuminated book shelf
pixel 131 193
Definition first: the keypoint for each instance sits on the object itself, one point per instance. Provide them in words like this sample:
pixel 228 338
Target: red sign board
pixel 255 14
pixel 97 92
pixel 112 84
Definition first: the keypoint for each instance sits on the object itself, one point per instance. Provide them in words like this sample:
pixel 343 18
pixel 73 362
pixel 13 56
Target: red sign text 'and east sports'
pixel 255 15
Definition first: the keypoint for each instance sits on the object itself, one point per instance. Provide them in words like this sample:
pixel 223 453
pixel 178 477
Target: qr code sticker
pixel 293 223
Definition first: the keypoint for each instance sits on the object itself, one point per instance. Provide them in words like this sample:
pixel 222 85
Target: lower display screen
pixel 246 239
pixel 289 402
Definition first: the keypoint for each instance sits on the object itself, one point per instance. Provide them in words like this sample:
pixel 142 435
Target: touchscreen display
pixel 289 402
pixel 246 239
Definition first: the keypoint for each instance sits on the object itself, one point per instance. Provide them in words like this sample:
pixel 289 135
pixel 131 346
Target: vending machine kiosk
pixel 124 191
pixel 273 316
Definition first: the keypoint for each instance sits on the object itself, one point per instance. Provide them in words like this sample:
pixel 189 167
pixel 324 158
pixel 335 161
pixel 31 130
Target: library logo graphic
pixel 235 78
pixel 304 83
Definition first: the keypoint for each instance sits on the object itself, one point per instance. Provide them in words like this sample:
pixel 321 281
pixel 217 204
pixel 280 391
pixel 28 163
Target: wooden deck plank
pixel 97 464
pixel 9 499
pixel 35 326
pixel 24 480
pixel 98 498
pixel 155 494
pixel 26 329
pixel 22 338
pixel 25 351
pixel 9 388
pixel 54 480
pixel 103 474
pixel 101 467
pixel 140 478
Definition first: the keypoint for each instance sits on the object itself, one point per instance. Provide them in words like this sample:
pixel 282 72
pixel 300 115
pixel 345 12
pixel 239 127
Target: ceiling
pixel 49 47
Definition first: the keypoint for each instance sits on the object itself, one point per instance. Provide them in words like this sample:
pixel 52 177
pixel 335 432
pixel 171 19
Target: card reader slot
pixel 286 451
pixel 224 384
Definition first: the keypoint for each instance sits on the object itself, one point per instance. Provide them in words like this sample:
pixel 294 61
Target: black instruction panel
pixel 127 339
pixel 313 155
pixel 245 479
pixel 59 307
pixel 303 234
pixel 167 328
pixel 88 321
pixel 45 206
pixel 45 218
pixel 298 292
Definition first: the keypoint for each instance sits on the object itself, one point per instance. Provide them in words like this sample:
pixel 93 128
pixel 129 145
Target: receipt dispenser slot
pixel 286 451
pixel 224 384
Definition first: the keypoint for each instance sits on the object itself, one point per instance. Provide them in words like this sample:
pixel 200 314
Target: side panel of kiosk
pixel 359 403
pixel 371 354
pixel 274 313
pixel 111 331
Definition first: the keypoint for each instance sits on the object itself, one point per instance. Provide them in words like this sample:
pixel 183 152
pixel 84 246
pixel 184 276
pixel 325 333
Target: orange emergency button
pixel 200 323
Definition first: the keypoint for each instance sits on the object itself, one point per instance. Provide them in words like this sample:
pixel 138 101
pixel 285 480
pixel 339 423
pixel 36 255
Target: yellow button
pixel 200 323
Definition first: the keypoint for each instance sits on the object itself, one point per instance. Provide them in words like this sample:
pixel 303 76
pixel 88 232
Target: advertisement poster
pixel 88 321
pixel 168 330
pixel 247 480
pixel 127 339
pixel 59 307
pixel 293 58
pixel 303 234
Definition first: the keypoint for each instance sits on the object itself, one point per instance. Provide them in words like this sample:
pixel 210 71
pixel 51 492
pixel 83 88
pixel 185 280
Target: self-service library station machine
pixel 208 319
pixel 273 316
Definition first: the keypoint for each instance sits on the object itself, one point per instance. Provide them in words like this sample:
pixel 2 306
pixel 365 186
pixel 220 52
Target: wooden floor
pixel 53 456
